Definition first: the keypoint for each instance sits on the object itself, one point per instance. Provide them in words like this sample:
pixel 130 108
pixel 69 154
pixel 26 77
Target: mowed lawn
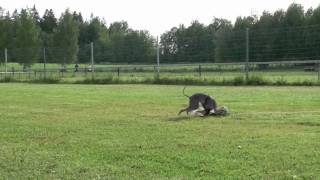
pixel 133 132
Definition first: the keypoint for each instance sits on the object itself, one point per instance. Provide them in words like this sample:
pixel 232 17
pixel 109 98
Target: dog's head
pixel 221 111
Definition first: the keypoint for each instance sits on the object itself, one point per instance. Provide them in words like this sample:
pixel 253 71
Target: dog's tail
pixel 184 93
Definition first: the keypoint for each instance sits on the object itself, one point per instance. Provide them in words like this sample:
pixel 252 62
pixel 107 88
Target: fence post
pixel 92 60
pixel 158 56
pixel 44 63
pixel 200 70
pixel 12 69
pixel 6 60
pixel 118 72
pixel 247 54
pixel 318 72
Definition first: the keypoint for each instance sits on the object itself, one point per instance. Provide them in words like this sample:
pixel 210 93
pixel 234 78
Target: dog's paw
pixel 212 111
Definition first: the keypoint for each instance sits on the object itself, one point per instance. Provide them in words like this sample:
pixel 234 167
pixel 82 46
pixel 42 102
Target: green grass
pixel 211 74
pixel 235 79
pixel 133 132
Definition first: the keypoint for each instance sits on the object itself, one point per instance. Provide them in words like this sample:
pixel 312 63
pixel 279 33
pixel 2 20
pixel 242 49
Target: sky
pixel 158 16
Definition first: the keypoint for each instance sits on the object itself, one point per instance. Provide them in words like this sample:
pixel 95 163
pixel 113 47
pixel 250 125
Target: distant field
pixel 133 132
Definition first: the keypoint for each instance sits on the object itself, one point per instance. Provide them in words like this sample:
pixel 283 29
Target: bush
pixel 281 82
pixel 46 81
pixel 174 80
pixel 7 79
pixel 256 80
pixel 238 81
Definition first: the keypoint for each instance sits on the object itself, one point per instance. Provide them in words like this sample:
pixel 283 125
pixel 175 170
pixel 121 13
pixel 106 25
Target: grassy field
pixel 189 78
pixel 133 132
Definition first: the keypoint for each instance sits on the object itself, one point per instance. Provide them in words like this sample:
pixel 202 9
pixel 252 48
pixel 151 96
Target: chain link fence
pixel 270 55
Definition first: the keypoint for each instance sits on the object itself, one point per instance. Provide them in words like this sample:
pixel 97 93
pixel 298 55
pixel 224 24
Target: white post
pixel 158 56
pixel 6 59
pixel 92 60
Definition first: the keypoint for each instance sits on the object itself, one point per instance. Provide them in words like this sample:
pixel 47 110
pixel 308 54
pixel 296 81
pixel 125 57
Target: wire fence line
pixel 273 54
pixel 291 71
pixel 276 44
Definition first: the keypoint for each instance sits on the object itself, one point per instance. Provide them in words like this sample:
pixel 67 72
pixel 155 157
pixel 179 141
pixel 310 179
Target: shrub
pixel 46 80
pixel 7 79
pixel 239 80
pixel 256 80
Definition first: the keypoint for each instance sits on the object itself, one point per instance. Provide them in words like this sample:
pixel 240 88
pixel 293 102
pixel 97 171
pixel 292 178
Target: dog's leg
pixel 182 110
pixel 210 105
pixel 196 113
pixel 200 114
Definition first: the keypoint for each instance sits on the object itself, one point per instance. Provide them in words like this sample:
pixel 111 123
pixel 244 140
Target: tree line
pixel 292 34
pixel 65 40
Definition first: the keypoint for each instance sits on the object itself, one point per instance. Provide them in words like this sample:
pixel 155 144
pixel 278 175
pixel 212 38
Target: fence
pixel 290 55
pixel 284 71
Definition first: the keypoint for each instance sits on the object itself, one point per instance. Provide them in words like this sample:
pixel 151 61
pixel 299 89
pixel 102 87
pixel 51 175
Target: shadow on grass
pixel 308 123
pixel 185 118
pixel 180 118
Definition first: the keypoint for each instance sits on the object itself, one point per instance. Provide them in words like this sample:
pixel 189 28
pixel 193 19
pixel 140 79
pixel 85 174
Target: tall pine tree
pixel 27 41
pixel 66 39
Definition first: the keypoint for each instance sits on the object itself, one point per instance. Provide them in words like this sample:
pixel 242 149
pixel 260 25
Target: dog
pixel 221 111
pixel 200 104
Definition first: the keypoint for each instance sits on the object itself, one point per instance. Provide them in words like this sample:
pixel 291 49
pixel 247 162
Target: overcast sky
pixel 158 16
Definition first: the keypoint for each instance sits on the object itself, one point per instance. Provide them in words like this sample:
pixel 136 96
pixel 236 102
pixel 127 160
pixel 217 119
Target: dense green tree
pixel 231 40
pixel 27 42
pixel 48 23
pixel 118 28
pixel 312 35
pixel 188 44
pixel 94 31
pixel 262 37
pixel 294 16
pixel 6 35
pixel 35 14
pixel 212 30
pixel 223 42
pixel 198 43
pixel 77 17
pixel 291 34
pixel 91 31
pixel 139 47
pixel 66 39
pixel 169 45
pixel 293 37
